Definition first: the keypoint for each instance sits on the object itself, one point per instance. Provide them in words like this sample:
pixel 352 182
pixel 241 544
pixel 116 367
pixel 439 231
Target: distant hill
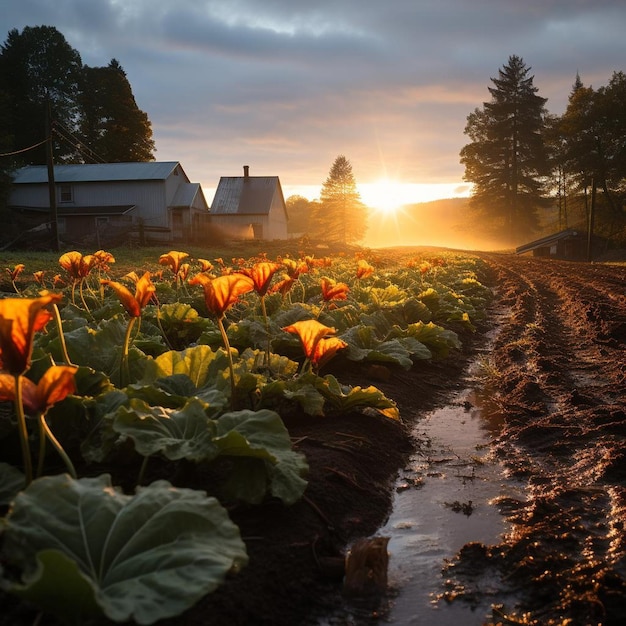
pixel 437 223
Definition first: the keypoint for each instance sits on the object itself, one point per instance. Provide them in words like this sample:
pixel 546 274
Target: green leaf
pixel 437 339
pixel 11 481
pixel 345 399
pixel 177 434
pixel 262 435
pixel 200 363
pixel 144 558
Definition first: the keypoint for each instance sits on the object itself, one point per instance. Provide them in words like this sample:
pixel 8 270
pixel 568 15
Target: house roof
pixel 243 195
pixel 185 195
pixel 547 241
pixel 99 172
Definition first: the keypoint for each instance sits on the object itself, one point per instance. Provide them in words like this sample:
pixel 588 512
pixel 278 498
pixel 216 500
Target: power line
pixel 66 135
pixel 25 149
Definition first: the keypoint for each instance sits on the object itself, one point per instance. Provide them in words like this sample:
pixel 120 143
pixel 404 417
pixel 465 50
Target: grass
pixel 142 259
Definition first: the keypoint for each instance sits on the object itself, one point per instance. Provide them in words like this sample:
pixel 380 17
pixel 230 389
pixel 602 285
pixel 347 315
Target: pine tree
pixel 112 125
pixel 340 217
pixel 506 159
pixel 38 68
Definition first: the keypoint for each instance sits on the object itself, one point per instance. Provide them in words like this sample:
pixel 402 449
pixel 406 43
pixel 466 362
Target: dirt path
pixel 559 377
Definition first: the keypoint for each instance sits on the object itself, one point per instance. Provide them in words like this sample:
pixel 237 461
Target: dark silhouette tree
pixel 340 217
pixel 112 125
pixel 506 160
pixel 593 130
pixel 38 69
pixel 94 116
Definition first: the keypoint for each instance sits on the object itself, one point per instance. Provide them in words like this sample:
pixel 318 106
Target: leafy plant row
pixel 194 365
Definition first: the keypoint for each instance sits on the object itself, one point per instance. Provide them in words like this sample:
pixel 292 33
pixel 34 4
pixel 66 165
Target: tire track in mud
pixel 559 378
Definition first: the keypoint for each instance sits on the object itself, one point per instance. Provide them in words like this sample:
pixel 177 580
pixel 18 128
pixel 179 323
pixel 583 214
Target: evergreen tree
pixel 340 217
pixel 93 113
pixel 112 125
pixel 506 159
pixel 593 130
pixel 38 68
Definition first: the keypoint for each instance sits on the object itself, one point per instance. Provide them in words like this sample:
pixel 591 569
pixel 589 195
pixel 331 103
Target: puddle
pixel 443 500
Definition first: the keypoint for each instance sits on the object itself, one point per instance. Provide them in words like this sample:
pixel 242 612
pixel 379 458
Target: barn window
pixel 65 193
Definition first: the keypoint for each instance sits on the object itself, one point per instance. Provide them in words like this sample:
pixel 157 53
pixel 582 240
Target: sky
pixel 286 86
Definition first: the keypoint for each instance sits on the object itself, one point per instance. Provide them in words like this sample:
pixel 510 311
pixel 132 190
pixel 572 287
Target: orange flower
pixel 77 265
pixel 332 290
pixel 295 268
pixel 205 265
pixel 174 259
pixel 57 281
pixel 261 274
pixel 315 340
pixel 222 292
pixel 284 286
pixel 326 349
pixel 364 269
pixel 56 384
pixel 144 289
pixel 20 319
pixel 16 271
pixel 183 271
pixel 103 259
pixel 38 276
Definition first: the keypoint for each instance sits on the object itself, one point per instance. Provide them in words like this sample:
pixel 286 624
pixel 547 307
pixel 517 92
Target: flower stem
pixel 231 369
pixel 23 431
pixel 57 317
pixel 124 366
pixel 57 446
pixel 267 330
pixel 142 470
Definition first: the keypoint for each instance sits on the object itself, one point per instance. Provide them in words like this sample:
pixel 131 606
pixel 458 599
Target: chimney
pixel 246 171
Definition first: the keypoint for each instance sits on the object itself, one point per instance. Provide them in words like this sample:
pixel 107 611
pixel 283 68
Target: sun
pixel 384 195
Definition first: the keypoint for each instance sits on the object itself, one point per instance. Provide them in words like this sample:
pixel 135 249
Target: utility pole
pixel 52 194
pixel 590 225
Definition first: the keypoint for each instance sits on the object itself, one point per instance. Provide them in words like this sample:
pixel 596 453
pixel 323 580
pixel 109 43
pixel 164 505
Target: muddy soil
pixel 557 377
pixel 558 383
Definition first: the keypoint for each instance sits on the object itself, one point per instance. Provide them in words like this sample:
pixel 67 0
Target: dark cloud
pixel 286 86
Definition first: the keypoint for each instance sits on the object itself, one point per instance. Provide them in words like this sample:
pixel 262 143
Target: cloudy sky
pixel 285 86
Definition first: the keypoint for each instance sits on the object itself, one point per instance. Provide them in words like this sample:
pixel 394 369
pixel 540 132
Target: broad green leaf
pixel 307 396
pixel 177 434
pixel 174 391
pixel 200 363
pixel 100 442
pixel 345 399
pixel 144 557
pixel 437 339
pixel 262 435
pixel 11 481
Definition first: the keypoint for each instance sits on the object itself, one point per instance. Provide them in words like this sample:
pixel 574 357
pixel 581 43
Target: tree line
pixel 46 93
pixel 521 159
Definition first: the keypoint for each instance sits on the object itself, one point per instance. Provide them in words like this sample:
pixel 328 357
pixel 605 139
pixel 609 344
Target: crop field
pixel 185 433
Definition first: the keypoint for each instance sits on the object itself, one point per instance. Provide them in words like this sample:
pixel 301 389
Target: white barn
pixel 155 200
pixel 250 207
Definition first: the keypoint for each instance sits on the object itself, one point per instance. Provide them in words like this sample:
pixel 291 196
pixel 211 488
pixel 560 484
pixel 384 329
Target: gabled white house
pixel 155 200
pixel 250 207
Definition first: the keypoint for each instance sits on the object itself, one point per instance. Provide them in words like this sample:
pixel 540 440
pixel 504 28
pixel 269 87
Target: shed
pixel 250 207
pixel 566 244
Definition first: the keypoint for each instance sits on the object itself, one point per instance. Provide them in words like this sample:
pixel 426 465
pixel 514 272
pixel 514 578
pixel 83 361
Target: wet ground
pixel 558 382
